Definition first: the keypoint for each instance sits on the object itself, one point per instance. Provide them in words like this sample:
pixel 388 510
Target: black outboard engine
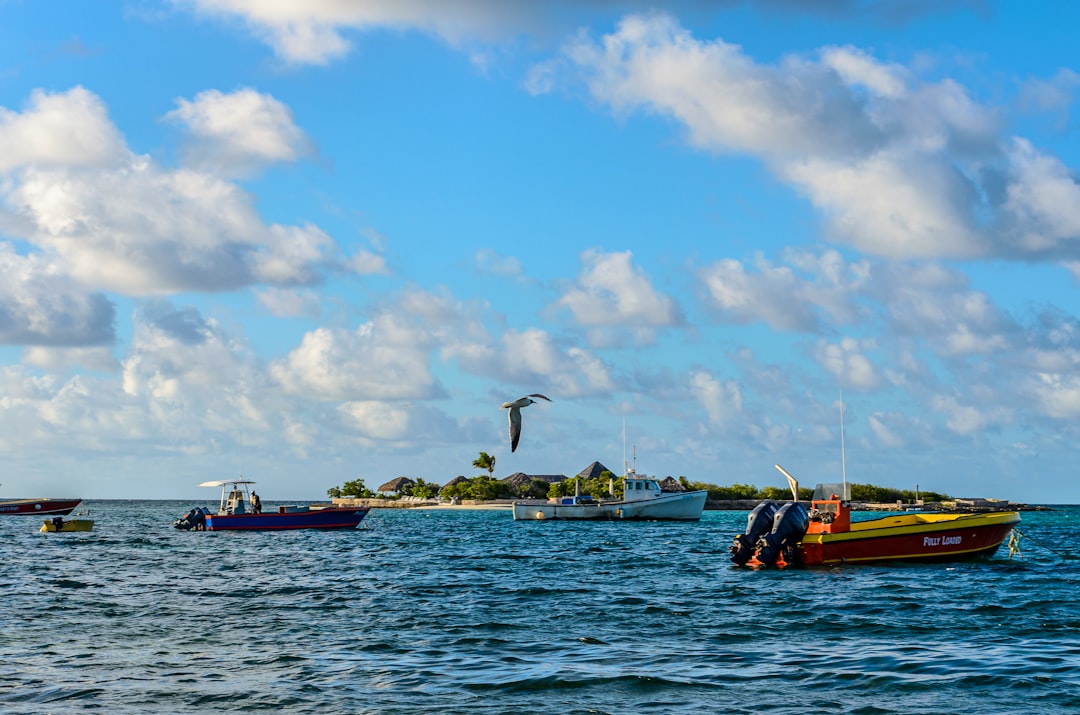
pixel 759 522
pixel 789 525
pixel 193 520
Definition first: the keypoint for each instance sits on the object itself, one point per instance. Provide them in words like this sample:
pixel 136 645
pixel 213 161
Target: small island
pixel 486 491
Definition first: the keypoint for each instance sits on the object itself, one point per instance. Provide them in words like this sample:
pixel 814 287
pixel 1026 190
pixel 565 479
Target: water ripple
pixel 471 611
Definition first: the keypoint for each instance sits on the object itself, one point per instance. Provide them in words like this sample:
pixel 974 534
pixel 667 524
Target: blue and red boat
pixel 240 509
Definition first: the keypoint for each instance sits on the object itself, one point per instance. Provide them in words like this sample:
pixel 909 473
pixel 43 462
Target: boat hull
pixel 38 507
pixel 329 518
pixel 911 537
pixel 69 525
pixel 673 506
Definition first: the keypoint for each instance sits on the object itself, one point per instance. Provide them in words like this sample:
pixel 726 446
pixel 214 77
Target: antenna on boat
pixel 625 464
pixel 843 459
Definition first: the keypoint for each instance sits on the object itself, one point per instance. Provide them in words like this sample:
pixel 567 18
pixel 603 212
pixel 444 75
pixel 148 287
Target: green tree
pixel 535 489
pixel 486 462
pixel 356 488
pixel 481 488
pixel 598 488
pixel 334 492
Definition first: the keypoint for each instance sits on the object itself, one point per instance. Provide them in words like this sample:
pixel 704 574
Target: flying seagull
pixel 515 415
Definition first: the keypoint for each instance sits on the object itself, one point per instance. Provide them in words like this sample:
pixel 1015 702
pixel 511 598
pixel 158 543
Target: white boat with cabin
pixel 642 500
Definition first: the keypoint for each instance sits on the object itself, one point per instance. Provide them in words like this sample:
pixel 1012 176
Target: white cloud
pixel 384 359
pixel 367 263
pixel 41 306
pixel 314 32
pixel 857 68
pixel 1043 203
pixel 776 295
pixel 59 129
pixel 612 293
pixel 1058 395
pixel 897 166
pixel 896 205
pixel 723 401
pixel 492 262
pixel 849 362
pixel 886 434
pixel 57 360
pixel 1054 95
pixel 933 303
pixel 726 101
pixel 236 133
pixel 289 302
pixel 969 419
pixel 127 225
pixel 533 359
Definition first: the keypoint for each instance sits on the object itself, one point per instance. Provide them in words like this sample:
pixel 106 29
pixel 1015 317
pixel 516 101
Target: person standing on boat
pixel 256 503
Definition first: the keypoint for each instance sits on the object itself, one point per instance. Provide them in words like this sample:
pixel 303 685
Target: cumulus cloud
pixel 239 132
pixel 289 302
pixel 779 296
pixel 723 401
pixel 59 129
pixel 970 419
pixel 612 293
pixel 315 33
pixel 1058 395
pixel 1042 204
pixel 849 362
pixel 386 358
pixel 175 350
pixel 119 222
pixel 897 166
pixel 494 263
pixel 39 306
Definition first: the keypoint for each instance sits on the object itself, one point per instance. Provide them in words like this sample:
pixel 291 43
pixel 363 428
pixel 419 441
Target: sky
pixel 323 241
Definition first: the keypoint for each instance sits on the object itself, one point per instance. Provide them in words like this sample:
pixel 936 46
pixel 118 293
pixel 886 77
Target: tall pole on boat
pixel 625 465
pixel 843 459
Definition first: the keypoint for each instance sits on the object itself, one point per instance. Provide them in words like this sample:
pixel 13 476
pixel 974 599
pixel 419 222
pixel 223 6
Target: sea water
pixel 470 611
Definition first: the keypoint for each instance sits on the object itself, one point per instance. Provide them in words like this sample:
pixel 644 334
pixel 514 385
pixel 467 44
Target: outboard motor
pixel 193 520
pixel 789 525
pixel 759 522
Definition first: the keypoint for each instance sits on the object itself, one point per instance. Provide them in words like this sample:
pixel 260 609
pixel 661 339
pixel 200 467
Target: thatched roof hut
pixel 396 485
pixel 671 484
pixel 456 480
pixel 521 479
pixel 593 471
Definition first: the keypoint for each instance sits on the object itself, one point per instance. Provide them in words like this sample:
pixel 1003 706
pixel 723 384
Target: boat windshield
pixel 832 491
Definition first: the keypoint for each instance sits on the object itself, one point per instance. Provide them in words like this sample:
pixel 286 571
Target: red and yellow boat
pixel 825 535
pixel 903 537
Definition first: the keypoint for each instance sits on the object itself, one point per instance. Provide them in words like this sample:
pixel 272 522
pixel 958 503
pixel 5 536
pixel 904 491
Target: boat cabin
pixel 829 513
pixel 236 497
pixel 639 488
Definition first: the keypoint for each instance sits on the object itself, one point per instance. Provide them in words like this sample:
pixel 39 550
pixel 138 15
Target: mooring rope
pixel 1014 545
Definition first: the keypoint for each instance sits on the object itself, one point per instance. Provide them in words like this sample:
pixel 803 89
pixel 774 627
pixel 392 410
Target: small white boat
pixel 642 500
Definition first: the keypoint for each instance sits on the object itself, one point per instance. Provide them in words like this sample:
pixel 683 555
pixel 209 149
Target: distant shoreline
pixel 970 506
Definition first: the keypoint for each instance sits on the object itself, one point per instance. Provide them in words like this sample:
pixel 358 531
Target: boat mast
pixel 843 460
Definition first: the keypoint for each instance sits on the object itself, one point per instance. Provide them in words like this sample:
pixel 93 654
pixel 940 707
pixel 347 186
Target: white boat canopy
pixel 225 482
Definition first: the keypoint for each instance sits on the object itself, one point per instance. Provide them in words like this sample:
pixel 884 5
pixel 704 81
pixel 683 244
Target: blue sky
pixel 324 241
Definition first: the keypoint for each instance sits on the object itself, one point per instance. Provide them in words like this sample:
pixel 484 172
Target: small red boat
pixel 826 535
pixel 240 509
pixel 38 507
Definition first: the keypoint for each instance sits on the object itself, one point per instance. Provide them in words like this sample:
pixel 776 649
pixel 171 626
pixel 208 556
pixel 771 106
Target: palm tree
pixel 485 461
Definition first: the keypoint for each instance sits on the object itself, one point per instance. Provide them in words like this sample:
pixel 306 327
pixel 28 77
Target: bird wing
pixel 537 394
pixel 514 416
